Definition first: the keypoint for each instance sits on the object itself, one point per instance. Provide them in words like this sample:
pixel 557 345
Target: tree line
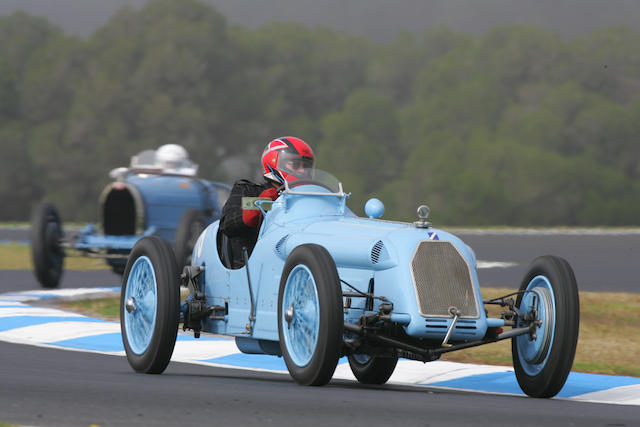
pixel 517 126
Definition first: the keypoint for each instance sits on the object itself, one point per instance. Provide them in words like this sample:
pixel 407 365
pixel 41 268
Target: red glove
pixel 251 218
pixel 270 192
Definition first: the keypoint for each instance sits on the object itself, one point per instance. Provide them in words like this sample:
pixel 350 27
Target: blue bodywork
pixel 144 204
pixel 321 283
pixel 362 249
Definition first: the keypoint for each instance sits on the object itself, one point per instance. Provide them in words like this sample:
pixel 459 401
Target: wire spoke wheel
pixel 142 299
pixel 543 358
pixel 301 299
pixel 310 320
pixel 149 305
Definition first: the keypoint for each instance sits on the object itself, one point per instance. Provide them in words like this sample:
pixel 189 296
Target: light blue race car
pixel 322 283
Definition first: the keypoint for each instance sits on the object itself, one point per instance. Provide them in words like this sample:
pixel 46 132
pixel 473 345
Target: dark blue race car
pixel 158 194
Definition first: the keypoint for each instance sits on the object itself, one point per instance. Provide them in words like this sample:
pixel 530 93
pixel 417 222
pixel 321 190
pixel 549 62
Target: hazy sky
pixel 378 19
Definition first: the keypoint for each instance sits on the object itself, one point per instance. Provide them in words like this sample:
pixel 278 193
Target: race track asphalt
pixel 50 387
pixel 603 260
pixel 21 280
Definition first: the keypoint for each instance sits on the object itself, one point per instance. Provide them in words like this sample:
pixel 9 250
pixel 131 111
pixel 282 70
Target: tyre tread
pixel 553 376
pixel 38 249
pixel 158 355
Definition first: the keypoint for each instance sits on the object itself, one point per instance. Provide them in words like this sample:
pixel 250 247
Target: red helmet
pixel 287 158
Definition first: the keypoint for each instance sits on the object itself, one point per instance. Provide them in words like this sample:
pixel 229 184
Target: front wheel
pixel 542 360
pixel 372 369
pixel 46 251
pixel 310 319
pixel 150 305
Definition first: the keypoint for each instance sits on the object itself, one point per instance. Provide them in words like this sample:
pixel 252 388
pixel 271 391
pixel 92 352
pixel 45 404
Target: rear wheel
pixel 117 264
pixel 47 254
pixel 192 224
pixel 150 305
pixel 372 369
pixel 542 361
pixel 310 319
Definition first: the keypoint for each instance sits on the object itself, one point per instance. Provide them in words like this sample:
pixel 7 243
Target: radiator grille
pixel 442 279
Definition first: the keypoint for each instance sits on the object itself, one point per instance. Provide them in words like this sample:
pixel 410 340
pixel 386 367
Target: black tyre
pixel 191 225
pixel 543 362
pixel 150 305
pixel 46 252
pixel 372 369
pixel 310 318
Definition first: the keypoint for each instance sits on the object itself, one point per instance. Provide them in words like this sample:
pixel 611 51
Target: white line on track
pixel 202 350
pixel 60 331
pixel 35 311
pixel 495 264
pixel 627 395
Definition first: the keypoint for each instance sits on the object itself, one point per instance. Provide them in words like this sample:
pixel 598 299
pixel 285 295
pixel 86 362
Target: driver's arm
pixel 235 221
pixel 251 217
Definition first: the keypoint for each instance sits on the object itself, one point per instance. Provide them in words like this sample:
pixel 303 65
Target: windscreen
pixel 316 177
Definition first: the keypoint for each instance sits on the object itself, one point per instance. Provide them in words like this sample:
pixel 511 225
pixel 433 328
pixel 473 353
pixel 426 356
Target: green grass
pixel 103 307
pixel 17 256
pixel 27 224
pixel 609 340
pixel 12 224
pixel 608 368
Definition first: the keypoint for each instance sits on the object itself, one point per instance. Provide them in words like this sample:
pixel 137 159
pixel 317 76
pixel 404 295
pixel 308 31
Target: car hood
pixel 365 242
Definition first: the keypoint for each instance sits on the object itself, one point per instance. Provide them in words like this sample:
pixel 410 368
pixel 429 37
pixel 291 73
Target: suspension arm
pixel 432 353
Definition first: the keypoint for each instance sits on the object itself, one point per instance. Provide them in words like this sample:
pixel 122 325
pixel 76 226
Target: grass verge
pixel 107 308
pixel 608 342
pixel 17 256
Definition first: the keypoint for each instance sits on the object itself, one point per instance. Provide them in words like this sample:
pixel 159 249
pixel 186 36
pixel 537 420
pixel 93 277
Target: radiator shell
pixel 443 279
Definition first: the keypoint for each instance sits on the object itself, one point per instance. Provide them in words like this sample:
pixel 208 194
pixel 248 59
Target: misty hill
pixel 514 126
pixel 380 20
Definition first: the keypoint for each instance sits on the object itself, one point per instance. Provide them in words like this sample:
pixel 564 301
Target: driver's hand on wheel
pixel 251 218
pixel 271 193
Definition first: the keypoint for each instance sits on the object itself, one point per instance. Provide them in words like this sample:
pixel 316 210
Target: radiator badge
pixel 433 236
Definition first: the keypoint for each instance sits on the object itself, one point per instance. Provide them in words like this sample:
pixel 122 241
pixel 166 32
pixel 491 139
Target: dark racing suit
pixel 241 226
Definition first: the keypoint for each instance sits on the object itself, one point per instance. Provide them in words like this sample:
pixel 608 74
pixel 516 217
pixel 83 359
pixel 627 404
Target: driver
pixel 173 159
pixel 284 159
